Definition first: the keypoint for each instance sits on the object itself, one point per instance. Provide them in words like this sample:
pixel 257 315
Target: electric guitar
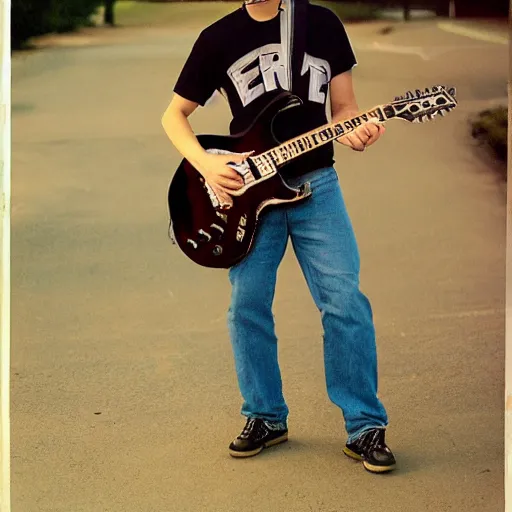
pixel 218 235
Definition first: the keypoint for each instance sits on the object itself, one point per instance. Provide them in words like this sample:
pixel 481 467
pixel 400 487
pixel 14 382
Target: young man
pixel 244 56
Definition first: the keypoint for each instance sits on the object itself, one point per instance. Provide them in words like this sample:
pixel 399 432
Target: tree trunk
pixel 407 10
pixel 109 12
pixel 443 8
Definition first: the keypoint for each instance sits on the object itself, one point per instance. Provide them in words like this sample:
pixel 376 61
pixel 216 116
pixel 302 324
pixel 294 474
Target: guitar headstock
pixel 420 106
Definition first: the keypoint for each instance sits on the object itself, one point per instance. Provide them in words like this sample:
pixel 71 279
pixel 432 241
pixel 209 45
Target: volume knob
pixel 217 250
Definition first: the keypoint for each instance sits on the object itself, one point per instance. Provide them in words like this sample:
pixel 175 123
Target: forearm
pixel 177 127
pixel 342 112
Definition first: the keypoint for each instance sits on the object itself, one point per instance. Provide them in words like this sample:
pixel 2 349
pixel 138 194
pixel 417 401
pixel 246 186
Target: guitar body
pixel 219 238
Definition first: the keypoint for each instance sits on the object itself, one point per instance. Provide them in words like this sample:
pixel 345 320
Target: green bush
pixel 71 14
pixel 491 127
pixel 30 18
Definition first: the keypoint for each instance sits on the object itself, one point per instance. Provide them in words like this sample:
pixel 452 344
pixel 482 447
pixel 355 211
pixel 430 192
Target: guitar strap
pixel 293 39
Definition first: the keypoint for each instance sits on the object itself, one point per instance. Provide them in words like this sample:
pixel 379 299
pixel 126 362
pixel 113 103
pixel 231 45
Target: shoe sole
pixel 277 440
pixel 369 467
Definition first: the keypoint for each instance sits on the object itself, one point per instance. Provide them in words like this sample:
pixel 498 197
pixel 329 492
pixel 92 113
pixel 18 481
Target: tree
pixel 407 10
pixel 443 8
pixel 32 18
pixel 109 12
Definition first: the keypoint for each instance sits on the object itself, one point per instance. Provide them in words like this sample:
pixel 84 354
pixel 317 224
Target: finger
pixel 375 122
pixel 371 129
pixel 226 198
pixel 363 132
pixel 372 140
pixel 348 140
pixel 246 155
pixel 231 184
pixel 230 174
pixel 238 158
pixel 376 133
pixel 223 196
pixel 366 131
pixel 356 142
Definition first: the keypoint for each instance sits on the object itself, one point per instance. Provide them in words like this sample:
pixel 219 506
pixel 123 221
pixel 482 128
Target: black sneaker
pixel 256 435
pixel 371 448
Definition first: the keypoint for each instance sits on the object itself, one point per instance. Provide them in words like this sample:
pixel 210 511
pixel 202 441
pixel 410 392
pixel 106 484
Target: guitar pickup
pixel 203 235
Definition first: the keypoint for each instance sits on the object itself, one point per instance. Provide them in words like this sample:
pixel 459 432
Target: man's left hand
pixel 363 136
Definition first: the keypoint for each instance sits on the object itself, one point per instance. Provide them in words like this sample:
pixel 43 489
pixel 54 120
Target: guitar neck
pixel 293 148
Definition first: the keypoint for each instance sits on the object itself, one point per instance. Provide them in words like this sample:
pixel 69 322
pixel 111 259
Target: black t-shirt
pixel 244 60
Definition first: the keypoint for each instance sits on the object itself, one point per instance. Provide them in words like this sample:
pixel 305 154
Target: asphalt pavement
pixel 124 394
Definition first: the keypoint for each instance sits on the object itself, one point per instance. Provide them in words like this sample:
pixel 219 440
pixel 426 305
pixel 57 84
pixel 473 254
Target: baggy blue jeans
pixel 325 246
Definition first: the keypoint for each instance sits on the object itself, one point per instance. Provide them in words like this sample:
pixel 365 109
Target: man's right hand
pixel 222 178
pixel 214 168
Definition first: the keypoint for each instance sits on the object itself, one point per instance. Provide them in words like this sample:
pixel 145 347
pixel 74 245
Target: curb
pixel 473 33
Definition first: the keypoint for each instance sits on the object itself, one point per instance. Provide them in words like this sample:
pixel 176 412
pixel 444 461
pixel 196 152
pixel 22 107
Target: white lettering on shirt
pixel 264 70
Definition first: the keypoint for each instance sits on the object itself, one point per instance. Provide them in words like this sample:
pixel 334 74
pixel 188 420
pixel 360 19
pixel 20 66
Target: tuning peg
pixel 418 93
pixel 452 91
pixel 442 113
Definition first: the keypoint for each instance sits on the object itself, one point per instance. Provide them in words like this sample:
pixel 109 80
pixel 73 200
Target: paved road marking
pixel 472 313
pixel 392 48
pixel 419 51
pixel 414 50
pixel 441 316
pixel 479 34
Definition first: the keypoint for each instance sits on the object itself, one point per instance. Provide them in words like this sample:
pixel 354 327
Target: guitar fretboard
pixel 269 161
